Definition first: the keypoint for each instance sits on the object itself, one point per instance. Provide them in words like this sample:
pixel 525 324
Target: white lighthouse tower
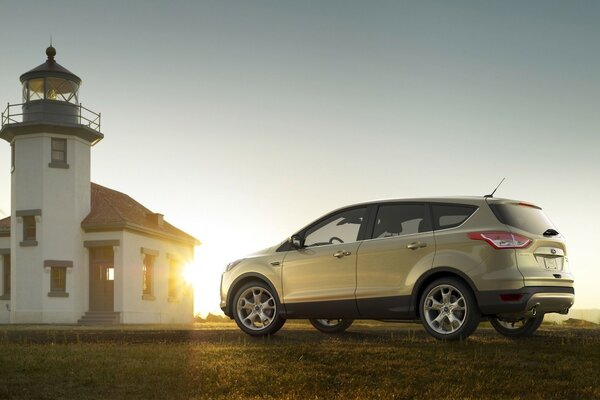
pixel 50 135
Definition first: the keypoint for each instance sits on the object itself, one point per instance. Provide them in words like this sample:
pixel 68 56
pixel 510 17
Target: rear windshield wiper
pixel 550 232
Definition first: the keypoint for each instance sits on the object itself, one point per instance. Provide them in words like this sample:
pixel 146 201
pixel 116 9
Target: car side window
pixel 401 219
pixel 342 227
pixel 447 216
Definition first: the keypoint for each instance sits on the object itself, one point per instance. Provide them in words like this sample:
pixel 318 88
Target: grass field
pixel 370 361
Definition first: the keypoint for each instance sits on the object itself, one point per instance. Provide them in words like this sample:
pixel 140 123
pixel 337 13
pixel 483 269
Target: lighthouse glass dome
pixel 50 88
pixel 50 81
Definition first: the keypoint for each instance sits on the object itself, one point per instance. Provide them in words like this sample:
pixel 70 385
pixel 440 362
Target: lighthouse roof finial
pixel 50 52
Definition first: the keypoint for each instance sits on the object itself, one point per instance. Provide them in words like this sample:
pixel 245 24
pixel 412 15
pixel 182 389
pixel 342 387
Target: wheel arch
pixel 242 280
pixel 434 274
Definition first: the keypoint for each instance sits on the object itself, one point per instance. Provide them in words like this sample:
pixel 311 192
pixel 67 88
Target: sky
pixel 243 121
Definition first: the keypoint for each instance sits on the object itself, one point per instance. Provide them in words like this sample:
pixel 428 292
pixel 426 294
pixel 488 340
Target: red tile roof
pixel 115 210
pixel 112 210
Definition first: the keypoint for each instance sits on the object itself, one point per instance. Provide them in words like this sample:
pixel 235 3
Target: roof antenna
pixel 492 195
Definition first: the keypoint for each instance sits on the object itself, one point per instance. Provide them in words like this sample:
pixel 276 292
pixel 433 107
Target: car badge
pixel 553 251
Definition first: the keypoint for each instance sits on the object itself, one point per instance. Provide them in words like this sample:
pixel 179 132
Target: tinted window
pixel 339 228
pixel 449 216
pixel 527 218
pixel 400 219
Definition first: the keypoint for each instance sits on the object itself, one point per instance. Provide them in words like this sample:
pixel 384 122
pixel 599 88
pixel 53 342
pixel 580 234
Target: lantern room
pixel 50 92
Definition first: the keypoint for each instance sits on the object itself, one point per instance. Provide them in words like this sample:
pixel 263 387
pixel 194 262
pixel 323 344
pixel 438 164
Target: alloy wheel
pixel 445 309
pixel 256 308
pixel 330 322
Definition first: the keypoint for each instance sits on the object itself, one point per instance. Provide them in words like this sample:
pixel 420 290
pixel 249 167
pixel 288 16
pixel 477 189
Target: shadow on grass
pixel 294 333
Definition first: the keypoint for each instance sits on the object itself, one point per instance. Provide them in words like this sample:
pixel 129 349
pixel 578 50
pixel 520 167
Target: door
pixel 102 279
pixel 400 248
pixel 319 279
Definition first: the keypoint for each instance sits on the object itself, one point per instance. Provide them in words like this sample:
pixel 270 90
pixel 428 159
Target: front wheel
pixel 256 309
pixel 448 309
pixel 518 329
pixel 331 325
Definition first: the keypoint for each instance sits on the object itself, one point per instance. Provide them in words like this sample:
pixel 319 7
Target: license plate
pixel 550 263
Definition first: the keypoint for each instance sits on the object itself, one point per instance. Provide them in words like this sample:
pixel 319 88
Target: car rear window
pixel 447 216
pixel 521 216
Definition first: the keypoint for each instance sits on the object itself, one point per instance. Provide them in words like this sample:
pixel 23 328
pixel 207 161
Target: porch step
pixel 99 318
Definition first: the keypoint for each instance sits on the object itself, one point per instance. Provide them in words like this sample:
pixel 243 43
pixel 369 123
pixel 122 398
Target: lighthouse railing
pixel 14 113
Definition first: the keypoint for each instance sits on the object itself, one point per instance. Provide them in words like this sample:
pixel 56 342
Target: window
pixel 147 275
pixel 447 216
pixel 61 89
pixel 110 274
pixel 522 216
pixel 59 151
pixel 51 88
pixel 25 91
pixel 28 220
pixel 5 277
pixel 342 227
pixel 29 228
pixel 173 280
pixel 35 89
pixel 58 279
pixel 401 219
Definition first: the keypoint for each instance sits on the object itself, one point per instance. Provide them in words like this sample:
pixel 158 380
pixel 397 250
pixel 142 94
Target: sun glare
pixel 206 287
pixel 189 274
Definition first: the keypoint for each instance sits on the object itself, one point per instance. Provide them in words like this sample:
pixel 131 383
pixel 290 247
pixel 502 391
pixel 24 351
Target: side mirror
pixel 296 241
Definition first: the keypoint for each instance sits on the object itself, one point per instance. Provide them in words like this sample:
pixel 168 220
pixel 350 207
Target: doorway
pixel 102 279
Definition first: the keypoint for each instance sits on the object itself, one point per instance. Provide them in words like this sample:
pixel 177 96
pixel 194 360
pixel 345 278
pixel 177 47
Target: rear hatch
pixel 544 262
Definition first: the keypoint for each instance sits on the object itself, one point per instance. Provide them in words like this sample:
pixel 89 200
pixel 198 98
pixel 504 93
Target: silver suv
pixel 447 261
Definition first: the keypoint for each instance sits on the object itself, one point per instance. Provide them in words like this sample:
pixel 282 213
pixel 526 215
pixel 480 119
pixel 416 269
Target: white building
pixel 74 251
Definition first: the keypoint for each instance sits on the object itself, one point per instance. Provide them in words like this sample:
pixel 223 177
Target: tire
pixel 448 309
pixel 256 309
pixel 518 329
pixel 331 325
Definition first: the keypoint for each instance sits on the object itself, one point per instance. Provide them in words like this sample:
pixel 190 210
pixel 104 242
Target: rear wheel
pixel 518 329
pixel 256 309
pixel 331 325
pixel 448 309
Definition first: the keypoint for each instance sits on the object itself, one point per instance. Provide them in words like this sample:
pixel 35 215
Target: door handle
pixel 416 245
pixel 341 253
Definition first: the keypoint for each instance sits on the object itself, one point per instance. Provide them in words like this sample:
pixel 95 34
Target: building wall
pixel 159 308
pixel 63 196
pixel 4 304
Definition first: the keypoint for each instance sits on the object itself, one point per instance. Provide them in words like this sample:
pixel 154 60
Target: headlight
pixel 233 264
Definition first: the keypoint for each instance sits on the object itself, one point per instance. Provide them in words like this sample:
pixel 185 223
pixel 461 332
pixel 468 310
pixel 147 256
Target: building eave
pixel 135 228
pixel 12 130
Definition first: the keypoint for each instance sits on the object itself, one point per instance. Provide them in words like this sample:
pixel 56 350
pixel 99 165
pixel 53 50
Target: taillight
pixel 501 240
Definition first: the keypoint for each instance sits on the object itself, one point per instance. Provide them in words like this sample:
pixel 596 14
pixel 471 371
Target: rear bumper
pixel 545 299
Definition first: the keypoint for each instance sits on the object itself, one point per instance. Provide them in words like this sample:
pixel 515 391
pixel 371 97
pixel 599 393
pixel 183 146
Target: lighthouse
pixel 73 251
pixel 51 135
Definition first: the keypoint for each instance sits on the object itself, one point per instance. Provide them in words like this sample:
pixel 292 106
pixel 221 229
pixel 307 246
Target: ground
pixel 214 360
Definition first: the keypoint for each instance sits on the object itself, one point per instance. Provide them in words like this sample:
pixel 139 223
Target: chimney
pixel 156 218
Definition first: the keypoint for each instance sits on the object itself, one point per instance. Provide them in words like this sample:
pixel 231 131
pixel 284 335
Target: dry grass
pixel 371 361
